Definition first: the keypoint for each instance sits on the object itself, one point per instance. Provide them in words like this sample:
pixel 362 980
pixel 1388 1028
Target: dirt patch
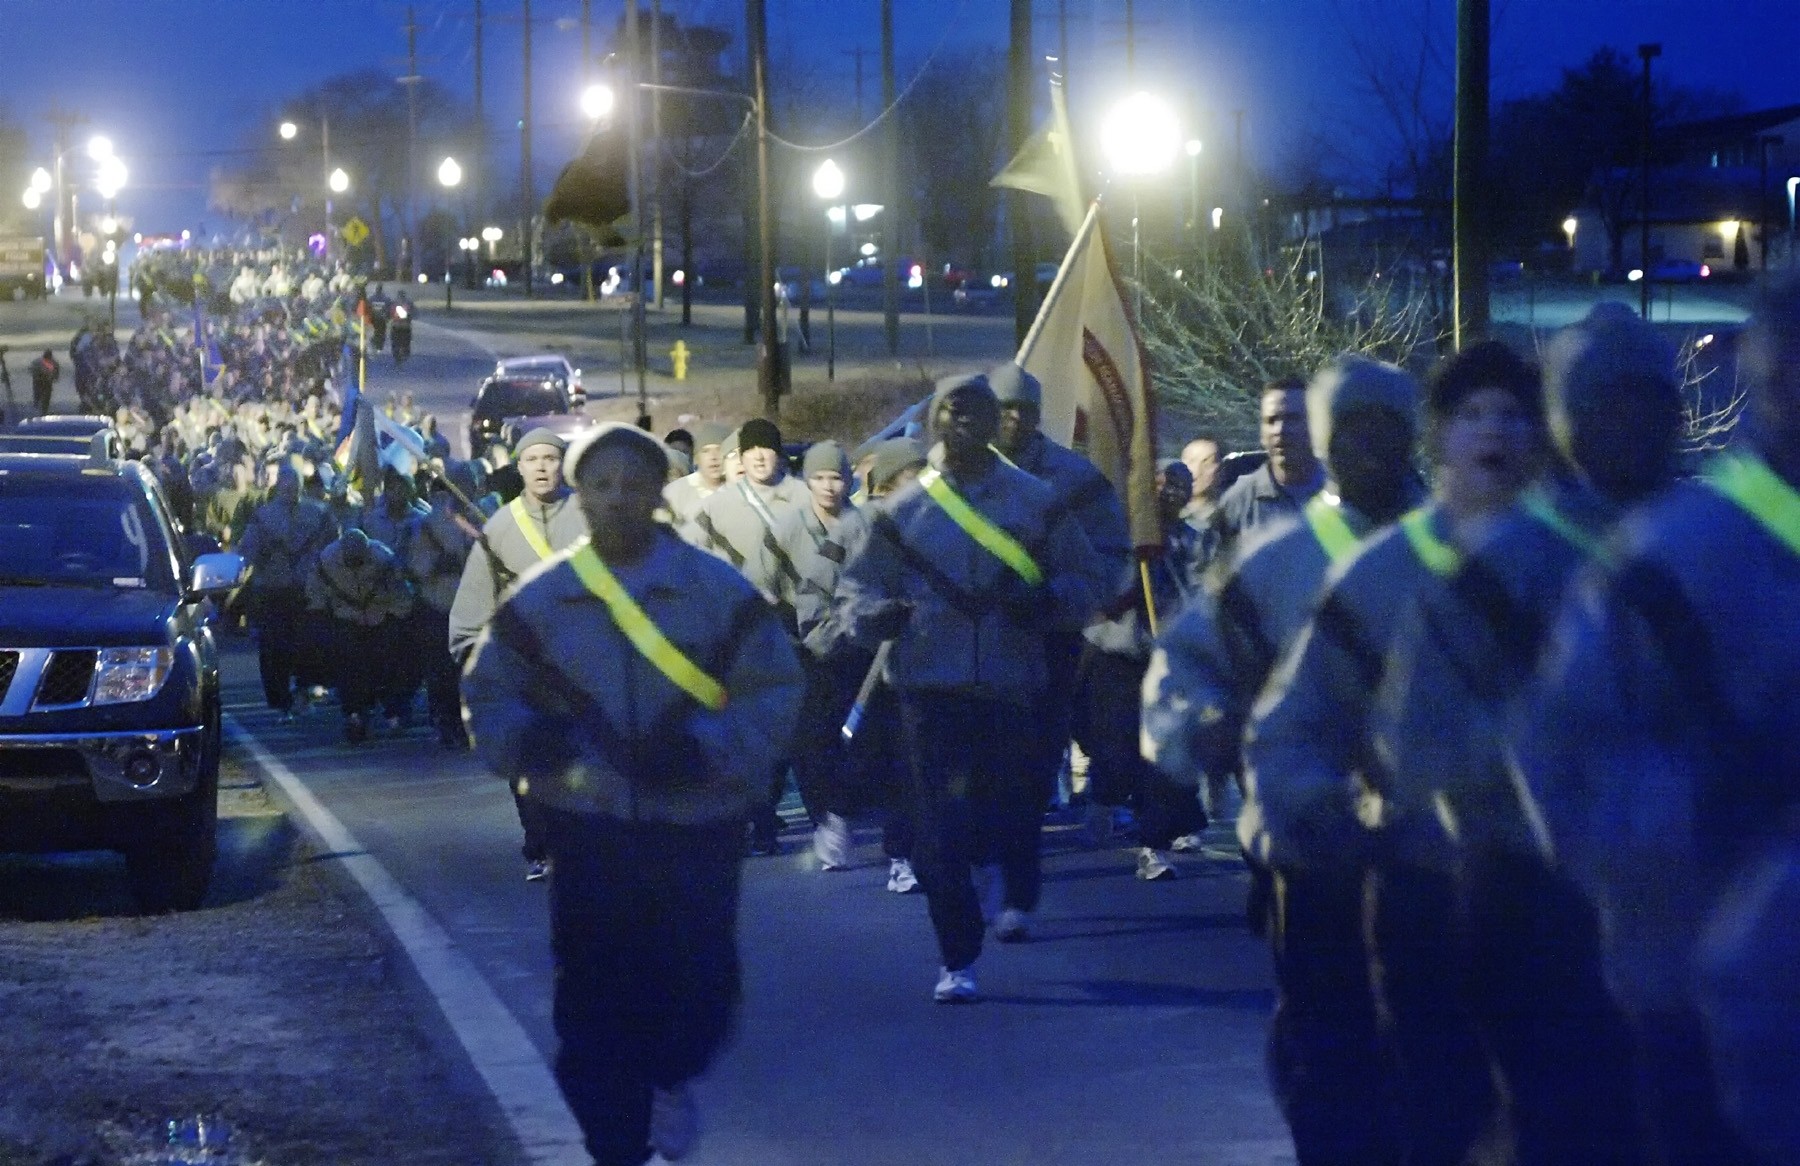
pixel 271 1027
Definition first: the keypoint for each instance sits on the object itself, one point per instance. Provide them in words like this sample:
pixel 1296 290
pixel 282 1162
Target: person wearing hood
pixel 361 590
pixel 737 522
pixel 280 542
pixel 969 570
pixel 1316 787
pixel 684 496
pixel 526 532
pixel 638 690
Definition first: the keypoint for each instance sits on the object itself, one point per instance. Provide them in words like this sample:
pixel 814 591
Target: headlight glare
pixel 131 674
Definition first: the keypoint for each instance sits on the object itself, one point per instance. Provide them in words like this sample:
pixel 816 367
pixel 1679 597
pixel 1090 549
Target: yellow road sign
pixel 355 231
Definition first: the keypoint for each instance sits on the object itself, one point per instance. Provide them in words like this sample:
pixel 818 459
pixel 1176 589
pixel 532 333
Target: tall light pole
pixel 1647 53
pixel 449 174
pixel 1569 226
pixel 828 184
pixel 1792 183
pixel 336 180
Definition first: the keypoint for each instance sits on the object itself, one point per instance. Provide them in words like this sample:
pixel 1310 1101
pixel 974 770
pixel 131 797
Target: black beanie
pixel 1487 365
pixel 758 433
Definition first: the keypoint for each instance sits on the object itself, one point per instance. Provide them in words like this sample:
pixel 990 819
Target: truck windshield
pixel 74 530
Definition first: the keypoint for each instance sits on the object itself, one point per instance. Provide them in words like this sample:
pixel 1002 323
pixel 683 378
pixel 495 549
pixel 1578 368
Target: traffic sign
pixel 355 231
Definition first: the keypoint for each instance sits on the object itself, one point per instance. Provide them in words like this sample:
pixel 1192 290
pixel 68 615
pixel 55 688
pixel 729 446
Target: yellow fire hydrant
pixel 679 356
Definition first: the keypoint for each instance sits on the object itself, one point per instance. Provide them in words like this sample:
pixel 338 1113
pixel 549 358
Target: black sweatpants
pixel 821 761
pixel 974 798
pixel 443 697
pixel 643 925
pixel 278 614
pixel 365 662
pixel 1108 709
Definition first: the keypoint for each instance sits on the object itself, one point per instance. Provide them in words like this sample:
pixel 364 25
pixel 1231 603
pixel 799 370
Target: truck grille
pixel 66 678
pixel 9 664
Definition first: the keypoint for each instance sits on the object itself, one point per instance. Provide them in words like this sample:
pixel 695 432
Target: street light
pixel 828 184
pixel 1569 226
pixel 32 198
pixel 492 236
pixel 449 174
pixel 339 182
pixel 288 130
pixel 597 101
pixel 1792 183
pixel 1140 135
pixel 41 181
pixel 100 147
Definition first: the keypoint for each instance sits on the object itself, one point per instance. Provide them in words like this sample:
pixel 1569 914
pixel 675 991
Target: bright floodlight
pixel 1140 135
pixel 112 176
pixel 597 101
pixel 492 234
pixel 288 130
pixel 339 181
pixel 864 211
pixel 32 199
pixel 828 180
pixel 1569 225
pixel 108 225
pixel 1194 146
pixel 40 180
pixel 100 147
pixel 449 173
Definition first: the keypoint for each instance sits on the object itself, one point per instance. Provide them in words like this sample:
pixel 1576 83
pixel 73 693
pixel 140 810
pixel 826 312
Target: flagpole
pixel 1149 598
pixel 1056 286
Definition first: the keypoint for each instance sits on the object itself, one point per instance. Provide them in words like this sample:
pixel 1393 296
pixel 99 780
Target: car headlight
pixel 129 674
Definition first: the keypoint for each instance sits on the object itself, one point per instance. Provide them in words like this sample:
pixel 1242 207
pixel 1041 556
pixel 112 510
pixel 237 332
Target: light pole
pixel 449 174
pixel 597 101
pixel 1792 183
pixel 109 181
pixel 469 244
pixel 1140 137
pixel 491 236
pixel 828 184
pixel 1569 226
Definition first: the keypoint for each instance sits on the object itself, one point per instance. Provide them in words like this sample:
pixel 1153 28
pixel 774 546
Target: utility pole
pixel 1762 195
pixel 527 193
pixel 1468 212
pixel 857 54
pixel 411 81
pixel 890 181
pixel 1062 44
pixel 769 364
pixel 635 177
pixel 480 176
pixel 62 227
pixel 1648 53
pixel 1018 209
pixel 656 152
pixel 1130 39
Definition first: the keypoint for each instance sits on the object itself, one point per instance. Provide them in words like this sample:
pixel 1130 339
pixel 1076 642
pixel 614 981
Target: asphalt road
pixel 1130 1029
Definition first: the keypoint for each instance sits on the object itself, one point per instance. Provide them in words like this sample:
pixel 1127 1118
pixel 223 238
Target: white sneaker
pixel 1153 865
pixel 831 842
pixel 1097 826
pixel 1188 843
pixel 990 890
pixel 956 987
pixel 901 879
pixel 1013 926
pixel 674 1122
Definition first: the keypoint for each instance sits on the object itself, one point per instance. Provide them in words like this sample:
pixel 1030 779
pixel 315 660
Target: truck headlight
pixel 129 674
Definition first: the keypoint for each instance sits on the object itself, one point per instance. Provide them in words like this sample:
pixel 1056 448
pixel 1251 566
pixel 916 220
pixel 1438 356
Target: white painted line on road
pixel 504 1056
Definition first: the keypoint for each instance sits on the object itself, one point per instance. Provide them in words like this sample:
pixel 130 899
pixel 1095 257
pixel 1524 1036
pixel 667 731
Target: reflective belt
pixel 643 633
pixel 992 539
pixel 1328 526
pixel 1439 557
pixel 533 537
pixel 1541 508
pixel 1759 492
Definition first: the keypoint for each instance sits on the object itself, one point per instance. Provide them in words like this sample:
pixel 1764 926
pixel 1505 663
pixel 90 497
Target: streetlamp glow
pixel 1194 146
pixel 42 182
pixel 449 173
pixel 32 198
pixel 108 225
pixel 339 181
pixel 112 176
pixel 492 234
pixel 1140 135
pixel 828 180
pixel 100 147
pixel 1569 225
pixel 597 101
pixel 288 130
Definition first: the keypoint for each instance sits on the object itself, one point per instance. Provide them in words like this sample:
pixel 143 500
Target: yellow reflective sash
pixel 533 536
pixel 1328 526
pixel 1541 508
pixel 993 540
pixel 643 633
pixel 1439 557
pixel 1759 492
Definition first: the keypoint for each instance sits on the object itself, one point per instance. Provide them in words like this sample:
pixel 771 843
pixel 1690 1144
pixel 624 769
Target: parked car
pixel 501 398
pixel 109 674
pixel 102 443
pixel 546 362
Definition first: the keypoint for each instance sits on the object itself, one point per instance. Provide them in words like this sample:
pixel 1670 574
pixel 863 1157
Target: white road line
pixel 504 1056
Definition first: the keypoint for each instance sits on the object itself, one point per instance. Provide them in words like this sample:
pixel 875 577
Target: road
pixel 1130 1029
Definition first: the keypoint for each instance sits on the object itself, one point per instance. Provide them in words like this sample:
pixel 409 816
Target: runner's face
pixel 967 420
pixel 710 461
pixel 619 494
pixel 1489 450
pixel 761 464
pixel 541 467
pixel 828 490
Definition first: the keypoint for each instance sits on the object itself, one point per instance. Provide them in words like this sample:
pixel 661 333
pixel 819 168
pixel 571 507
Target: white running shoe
pixel 1013 926
pixel 831 842
pixel 901 879
pixel 674 1122
pixel 1188 843
pixel 1153 865
pixel 956 987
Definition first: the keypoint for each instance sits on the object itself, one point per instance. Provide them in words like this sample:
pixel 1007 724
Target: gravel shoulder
pixel 276 1026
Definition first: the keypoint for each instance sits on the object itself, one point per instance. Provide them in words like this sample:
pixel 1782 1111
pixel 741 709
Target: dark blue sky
pixel 180 83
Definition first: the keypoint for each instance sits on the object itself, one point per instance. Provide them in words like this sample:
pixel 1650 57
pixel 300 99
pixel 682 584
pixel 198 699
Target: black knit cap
pixel 758 433
pixel 1487 365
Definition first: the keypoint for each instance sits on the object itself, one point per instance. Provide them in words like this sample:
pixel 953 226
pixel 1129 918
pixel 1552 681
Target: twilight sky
pixel 181 84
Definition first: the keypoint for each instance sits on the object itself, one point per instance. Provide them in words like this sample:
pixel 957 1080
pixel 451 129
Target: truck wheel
pixel 170 867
